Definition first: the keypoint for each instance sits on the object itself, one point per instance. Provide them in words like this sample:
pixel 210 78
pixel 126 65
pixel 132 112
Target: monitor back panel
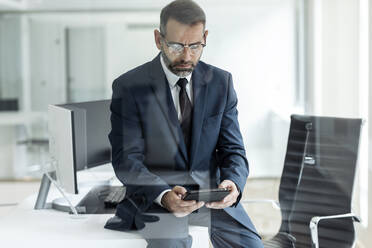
pixel 61 138
pixel 91 127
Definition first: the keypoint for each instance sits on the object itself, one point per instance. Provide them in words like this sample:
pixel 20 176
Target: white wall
pixel 12 4
pixel 47 49
pixel 256 43
pixel 333 58
pixel 370 82
pixel 335 79
pixel 255 40
pixel 47 65
pixel 10 60
pixel 369 68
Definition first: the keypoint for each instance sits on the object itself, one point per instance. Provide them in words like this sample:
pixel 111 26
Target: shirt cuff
pixel 158 199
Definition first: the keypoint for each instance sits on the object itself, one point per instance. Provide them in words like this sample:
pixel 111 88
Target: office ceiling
pixel 45 5
pixel 112 5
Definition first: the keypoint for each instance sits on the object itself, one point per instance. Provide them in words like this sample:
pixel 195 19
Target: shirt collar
pixel 171 77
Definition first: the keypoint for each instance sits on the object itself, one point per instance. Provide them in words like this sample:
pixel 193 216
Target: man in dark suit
pixel 175 128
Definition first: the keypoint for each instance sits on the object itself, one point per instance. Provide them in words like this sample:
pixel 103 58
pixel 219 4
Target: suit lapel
pixel 160 88
pixel 200 89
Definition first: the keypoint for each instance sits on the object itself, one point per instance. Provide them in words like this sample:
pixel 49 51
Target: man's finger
pixel 214 204
pixel 180 214
pixel 226 184
pixel 228 198
pixel 184 211
pixel 200 204
pixel 223 185
pixel 195 207
pixel 186 203
pixel 219 205
pixel 179 190
pixel 230 185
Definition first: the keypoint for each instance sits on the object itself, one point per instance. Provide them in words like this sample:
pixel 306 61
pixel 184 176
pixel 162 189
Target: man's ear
pixel 157 37
pixel 205 36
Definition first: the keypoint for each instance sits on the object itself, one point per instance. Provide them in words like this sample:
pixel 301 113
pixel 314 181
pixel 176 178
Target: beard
pixel 172 66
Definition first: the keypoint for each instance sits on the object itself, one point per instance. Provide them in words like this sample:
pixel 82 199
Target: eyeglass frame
pixel 193 52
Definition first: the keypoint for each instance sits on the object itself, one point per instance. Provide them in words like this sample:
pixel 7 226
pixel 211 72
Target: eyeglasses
pixel 178 48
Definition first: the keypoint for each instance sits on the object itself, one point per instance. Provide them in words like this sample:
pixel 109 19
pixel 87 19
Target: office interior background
pixel 286 56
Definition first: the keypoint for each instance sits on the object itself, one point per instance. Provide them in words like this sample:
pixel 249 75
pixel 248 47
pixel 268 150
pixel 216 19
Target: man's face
pixel 181 63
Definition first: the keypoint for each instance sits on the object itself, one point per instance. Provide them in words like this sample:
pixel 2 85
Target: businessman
pixel 174 129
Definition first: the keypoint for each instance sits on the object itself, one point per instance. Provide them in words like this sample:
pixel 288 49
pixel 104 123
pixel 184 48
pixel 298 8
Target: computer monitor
pixel 78 139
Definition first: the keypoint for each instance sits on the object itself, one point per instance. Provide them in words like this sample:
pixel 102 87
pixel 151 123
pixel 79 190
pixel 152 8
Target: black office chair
pixel 317 183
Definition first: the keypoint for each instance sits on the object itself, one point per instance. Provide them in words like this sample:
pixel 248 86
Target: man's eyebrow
pixel 173 42
pixel 199 42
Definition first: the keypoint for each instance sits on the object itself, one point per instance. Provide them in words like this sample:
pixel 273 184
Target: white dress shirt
pixel 175 90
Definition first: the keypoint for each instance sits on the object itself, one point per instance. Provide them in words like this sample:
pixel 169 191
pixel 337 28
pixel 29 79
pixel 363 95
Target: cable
pixel 59 188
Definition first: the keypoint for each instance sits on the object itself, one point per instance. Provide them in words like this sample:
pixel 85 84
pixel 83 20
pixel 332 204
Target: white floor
pixel 12 193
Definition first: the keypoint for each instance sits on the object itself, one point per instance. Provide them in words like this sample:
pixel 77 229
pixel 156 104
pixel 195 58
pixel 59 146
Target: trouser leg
pixel 226 232
pixel 169 232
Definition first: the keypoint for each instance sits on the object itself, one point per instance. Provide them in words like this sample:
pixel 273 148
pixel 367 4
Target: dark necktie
pixel 186 113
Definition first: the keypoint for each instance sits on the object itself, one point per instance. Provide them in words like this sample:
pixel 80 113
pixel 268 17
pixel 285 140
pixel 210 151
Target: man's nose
pixel 186 55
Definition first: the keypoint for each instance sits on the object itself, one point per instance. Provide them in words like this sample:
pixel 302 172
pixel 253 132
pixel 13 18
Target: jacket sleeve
pixel 230 147
pixel 128 147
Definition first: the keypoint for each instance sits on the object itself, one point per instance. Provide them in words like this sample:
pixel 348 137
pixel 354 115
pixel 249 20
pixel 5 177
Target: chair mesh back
pixel 325 179
pixel 291 170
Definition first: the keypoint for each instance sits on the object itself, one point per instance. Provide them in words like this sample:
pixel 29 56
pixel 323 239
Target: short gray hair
pixel 184 11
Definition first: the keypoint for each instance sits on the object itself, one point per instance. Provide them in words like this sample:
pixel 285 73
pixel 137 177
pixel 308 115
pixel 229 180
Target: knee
pixel 221 239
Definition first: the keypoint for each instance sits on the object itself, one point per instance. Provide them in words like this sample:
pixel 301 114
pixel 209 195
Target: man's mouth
pixel 184 66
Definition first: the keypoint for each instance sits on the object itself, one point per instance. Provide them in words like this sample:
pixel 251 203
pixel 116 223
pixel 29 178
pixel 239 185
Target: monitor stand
pixel 89 201
pixel 44 190
pixel 61 203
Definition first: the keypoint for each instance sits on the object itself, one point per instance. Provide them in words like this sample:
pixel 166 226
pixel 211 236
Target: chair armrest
pixel 315 221
pixel 275 204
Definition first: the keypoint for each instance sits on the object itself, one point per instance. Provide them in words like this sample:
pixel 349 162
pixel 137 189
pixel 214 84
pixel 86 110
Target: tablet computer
pixel 206 195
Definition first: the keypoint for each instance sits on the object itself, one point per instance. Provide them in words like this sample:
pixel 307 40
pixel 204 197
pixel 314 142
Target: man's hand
pixel 172 201
pixel 229 200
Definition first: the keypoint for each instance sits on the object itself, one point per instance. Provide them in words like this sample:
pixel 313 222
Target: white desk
pixel 26 227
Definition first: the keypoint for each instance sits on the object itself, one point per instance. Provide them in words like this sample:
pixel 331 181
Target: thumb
pixel 179 190
pixel 224 184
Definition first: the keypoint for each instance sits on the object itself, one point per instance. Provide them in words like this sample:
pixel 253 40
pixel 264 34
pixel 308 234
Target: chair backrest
pixel 318 178
pixel 291 170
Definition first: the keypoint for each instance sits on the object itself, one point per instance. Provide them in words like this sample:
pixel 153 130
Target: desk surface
pixel 26 227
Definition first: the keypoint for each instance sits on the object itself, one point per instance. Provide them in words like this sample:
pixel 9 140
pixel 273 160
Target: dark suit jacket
pixel 148 151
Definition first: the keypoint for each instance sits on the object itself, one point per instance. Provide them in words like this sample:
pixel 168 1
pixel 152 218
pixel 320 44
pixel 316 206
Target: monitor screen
pixel 79 138
pixel 91 121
